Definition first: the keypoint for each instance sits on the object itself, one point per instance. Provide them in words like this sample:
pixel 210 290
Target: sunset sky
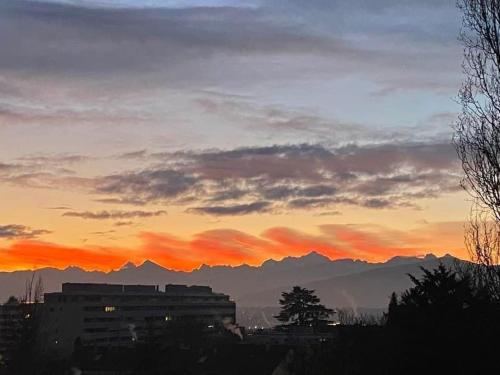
pixel 227 132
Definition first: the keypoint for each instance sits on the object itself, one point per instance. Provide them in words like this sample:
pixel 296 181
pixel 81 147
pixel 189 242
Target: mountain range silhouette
pixel 339 283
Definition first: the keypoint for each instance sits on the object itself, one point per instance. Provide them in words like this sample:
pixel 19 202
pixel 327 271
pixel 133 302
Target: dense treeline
pixel 444 324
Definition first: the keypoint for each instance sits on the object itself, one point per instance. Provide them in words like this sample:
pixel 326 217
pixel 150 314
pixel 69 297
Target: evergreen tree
pixel 301 307
pixel 438 293
pixel 392 310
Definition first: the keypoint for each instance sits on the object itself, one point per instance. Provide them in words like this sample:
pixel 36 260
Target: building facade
pixel 17 324
pixel 111 315
pixel 11 315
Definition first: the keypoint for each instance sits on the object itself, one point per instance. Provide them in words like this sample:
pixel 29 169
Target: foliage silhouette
pixel 301 307
pixel 477 136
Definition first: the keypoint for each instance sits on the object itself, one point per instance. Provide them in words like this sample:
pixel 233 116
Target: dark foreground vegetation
pixel 447 323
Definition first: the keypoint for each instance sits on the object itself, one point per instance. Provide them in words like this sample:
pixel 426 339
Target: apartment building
pixel 104 315
pixel 15 317
pixel 10 323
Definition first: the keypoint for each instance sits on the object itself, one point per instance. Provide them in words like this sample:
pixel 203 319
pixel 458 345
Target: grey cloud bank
pixel 115 68
pixel 183 45
pixel 273 179
pixel 114 215
pixel 17 231
pixel 285 177
pixel 103 69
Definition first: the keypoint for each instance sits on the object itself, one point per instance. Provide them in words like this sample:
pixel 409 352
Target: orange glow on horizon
pixel 233 248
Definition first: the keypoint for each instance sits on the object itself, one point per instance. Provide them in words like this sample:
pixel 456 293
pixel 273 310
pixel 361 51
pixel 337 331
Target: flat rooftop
pixel 98 288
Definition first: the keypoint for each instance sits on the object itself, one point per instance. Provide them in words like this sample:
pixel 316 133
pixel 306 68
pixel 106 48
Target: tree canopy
pixel 439 294
pixel 301 307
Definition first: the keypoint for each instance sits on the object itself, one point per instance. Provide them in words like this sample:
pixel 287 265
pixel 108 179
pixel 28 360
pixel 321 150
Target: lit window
pixel 168 318
pixel 109 308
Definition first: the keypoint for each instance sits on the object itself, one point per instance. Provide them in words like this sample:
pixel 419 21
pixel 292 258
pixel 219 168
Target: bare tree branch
pixel 477 136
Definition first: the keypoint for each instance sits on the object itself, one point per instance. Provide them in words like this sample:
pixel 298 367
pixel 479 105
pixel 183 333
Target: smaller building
pixel 14 317
pixel 10 317
pixel 115 315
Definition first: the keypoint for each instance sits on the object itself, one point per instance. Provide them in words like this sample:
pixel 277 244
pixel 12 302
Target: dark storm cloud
pixel 114 215
pixel 16 231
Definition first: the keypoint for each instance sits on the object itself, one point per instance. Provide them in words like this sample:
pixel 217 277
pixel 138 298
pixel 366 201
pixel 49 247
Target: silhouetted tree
pixel 442 324
pixel 442 316
pixel 440 294
pixel 477 136
pixel 392 309
pixel 33 291
pixel 482 240
pixel 302 307
pixel 26 354
pixel 347 316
